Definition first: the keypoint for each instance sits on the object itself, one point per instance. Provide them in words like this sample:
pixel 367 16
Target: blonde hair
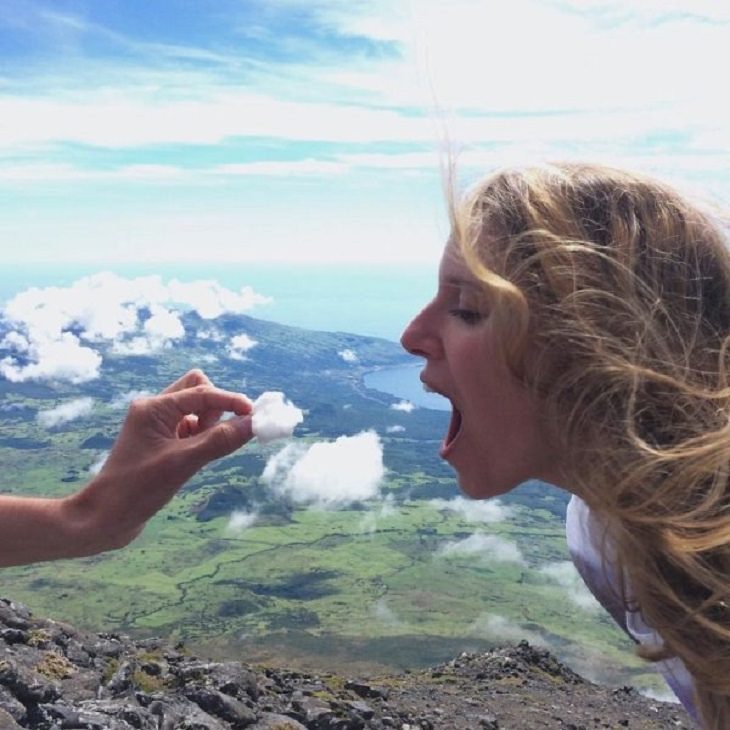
pixel 612 295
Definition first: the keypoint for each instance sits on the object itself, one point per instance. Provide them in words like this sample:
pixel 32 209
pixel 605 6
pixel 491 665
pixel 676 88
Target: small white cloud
pixel 209 299
pixel 565 575
pixel 97 466
pixel 124 399
pixel 492 548
pixel 385 614
pixel 348 355
pixel 504 630
pixel 69 411
pixel 164 325
pixel 369 523
pixel 395 429
pixel 241 520
pixel 474 510
pixel 240 345
pixel 328 474
pixel 404 405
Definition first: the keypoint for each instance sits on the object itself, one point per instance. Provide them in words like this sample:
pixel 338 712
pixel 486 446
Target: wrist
pixel 92 523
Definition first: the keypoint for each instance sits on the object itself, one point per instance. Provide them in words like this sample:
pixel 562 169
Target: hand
pixel 164 441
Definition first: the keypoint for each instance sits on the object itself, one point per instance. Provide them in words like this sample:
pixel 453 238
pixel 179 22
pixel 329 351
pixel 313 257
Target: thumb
pixel 223 438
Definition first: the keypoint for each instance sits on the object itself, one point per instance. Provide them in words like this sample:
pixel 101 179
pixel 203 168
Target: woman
pixel 581 330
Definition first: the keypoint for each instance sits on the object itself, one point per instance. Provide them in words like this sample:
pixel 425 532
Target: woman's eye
pixel 468 316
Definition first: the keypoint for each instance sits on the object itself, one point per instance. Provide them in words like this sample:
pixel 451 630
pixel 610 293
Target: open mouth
pixel 452 433
pixel 454 423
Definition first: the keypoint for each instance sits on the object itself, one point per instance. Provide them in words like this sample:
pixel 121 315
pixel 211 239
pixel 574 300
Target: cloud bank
pixel 56 333
pixel 404 405
pixel 329 474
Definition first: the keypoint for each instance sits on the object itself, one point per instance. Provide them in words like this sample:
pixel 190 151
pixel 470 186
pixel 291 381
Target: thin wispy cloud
pixel 474 510
pixel 249 95
pixel 490 548
pixel 65 412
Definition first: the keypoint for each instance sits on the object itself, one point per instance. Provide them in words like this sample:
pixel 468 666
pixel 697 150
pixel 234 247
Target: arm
pixel 163 442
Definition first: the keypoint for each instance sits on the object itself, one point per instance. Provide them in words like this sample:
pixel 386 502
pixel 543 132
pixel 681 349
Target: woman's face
pixel 494 440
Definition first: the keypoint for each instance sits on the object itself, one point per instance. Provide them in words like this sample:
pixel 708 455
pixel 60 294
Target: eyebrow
pixel 462 283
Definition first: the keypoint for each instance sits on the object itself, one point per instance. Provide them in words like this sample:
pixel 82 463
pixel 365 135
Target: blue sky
pixel 311 130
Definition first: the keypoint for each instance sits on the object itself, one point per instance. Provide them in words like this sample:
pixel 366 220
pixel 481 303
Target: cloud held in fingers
pixel 329 474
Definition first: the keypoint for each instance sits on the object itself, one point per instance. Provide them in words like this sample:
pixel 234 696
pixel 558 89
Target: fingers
pixel 207 400
pixel 189 380
pixel 223 438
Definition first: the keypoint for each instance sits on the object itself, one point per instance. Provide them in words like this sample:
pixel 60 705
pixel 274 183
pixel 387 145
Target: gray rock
pixel 274 721
pixel 221 705
pixel 11 706
pixel 7 721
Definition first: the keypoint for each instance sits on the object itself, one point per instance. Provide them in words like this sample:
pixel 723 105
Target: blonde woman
pixel 581 330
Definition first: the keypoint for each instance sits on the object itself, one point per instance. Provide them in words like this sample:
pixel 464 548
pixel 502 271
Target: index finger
pixel 190 379
pixel 207 398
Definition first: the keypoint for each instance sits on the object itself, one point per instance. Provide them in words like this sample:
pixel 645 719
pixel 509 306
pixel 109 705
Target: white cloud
pixel 395 429
pixel 274 417
pixel 124 399
pixel 404 405
pixel 210 300
pixel 565 575
pixel 385 614
pixel 57 332
pixel 61 359
pixel 164 325
pixel 240 345
pixel 491 548
pixel 65 412
pixel 348 355
pixel 475 510
pixel 241 520
pixel 329 474
pixel 370 521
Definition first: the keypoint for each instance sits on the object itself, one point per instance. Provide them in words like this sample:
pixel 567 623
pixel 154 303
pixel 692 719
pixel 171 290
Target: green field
pixel 378 584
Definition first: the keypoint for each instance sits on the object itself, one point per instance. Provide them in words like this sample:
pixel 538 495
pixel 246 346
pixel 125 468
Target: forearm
pixel 36 529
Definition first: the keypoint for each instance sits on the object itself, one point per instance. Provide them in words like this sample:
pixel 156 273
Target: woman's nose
pixel 420 336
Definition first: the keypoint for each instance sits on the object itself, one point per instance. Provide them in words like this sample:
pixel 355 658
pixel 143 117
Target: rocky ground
pixel 53 677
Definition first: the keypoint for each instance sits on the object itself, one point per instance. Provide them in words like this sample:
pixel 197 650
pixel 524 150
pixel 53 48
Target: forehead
pixel 453 268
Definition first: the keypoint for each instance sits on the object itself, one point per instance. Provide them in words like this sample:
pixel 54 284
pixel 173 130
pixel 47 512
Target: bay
pixel 404 382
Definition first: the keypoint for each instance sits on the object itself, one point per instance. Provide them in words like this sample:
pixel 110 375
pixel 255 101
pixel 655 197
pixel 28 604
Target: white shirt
pixel 584 533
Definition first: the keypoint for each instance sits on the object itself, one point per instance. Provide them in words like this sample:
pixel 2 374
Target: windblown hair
pixel 612 296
